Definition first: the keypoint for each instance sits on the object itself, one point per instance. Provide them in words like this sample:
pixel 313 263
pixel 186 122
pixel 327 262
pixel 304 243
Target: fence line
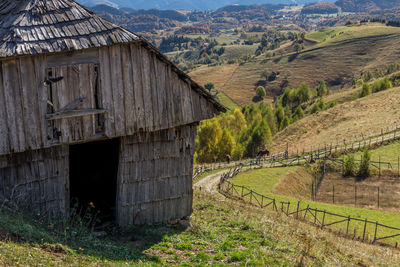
pixel 328 150
pixel 320 218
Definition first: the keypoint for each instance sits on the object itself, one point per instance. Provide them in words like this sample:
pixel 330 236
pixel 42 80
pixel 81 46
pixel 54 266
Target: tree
pixel 209 86
pixel 348 166
pixel 321 89
pixel 279 114
pixel 238 121
pixel 261 92
pixel 303 93
pixel 366 90
pixel 299 112
pixel 260 136
pixel 209 135
pixel 364 170
pixel 225 145
pixel 285 123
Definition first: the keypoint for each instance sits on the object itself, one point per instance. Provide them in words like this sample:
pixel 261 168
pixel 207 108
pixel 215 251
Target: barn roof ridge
pixel 32 27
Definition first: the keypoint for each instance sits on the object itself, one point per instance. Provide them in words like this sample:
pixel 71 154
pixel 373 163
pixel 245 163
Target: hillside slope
pixel 346 121
pixel 224 232
pixel 337 59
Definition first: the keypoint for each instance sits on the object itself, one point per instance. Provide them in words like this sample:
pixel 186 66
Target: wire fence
pixel 350 226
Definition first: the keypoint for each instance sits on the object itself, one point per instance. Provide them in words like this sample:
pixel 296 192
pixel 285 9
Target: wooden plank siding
pixel 140 92
pixel 155 176
pixel 37 181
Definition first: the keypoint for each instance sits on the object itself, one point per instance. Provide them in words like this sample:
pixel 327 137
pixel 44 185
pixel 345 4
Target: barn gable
pixel 120 82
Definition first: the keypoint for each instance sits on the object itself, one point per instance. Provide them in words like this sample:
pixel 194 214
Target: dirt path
pixel 209 183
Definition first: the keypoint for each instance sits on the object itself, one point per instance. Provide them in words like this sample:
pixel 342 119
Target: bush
pixel 261 92
pixel 366 90
pixel 381 85
pixel 364 170
pixel 209 86
pixel 349 166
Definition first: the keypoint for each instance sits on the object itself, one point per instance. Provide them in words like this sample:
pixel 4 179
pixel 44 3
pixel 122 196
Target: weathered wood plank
pixel 41 95
pixel 155 91
pixel 129 94
pixel 106 91
pixel 117 89
pixel 13 100
pixel 89 56
pixel 147 95
pixel 138 87
pixel 4 132
pixel 29 100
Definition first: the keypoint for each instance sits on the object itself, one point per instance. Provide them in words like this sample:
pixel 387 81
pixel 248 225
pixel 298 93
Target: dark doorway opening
pixel 93 178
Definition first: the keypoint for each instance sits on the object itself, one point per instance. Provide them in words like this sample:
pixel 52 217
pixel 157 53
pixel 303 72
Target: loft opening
pixel 93 178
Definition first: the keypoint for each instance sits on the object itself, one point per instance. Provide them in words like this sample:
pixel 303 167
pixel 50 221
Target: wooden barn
pixel 94 113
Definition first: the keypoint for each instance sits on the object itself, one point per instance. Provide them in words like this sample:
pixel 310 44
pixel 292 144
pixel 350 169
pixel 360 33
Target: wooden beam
pixel 74 113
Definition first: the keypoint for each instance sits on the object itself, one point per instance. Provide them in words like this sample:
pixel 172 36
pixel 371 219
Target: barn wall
pixel 155 176
pixel 137 90
pixel 37 181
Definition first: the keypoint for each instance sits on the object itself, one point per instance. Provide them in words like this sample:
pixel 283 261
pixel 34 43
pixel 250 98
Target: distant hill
pixel 367 5
pixel 321 8
pixel 186 4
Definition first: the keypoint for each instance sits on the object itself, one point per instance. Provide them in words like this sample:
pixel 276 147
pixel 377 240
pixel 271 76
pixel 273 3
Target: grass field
pixel 266 187
pixel 335 61
pixel 346 121
pixel 226 101
pixel 238 51
pixel 222 233
pixel 389 153
pixel 326 33
pixel 364 194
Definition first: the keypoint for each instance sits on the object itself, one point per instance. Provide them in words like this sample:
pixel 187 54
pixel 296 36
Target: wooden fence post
pixel 251 195
pixel 305 213
pixel 379 166
pixel 333 194
pixel 297 211
pixel 365 228
pixel 376 230
pixel 348 223
pixel 287 212
pixel 315 217
pixel 378 198
pixel 323 219
pixel 355 195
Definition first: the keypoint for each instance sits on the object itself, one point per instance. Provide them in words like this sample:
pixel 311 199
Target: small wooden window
pixel 74 102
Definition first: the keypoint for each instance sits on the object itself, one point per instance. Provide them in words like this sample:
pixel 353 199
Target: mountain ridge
pixel 186 4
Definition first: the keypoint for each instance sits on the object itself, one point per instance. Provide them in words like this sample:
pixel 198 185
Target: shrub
pixel 364 170
pixel 209 86
pixel 321 89
pixel 381 85
pixel 366 90
pixel 261 92
pixel 348 166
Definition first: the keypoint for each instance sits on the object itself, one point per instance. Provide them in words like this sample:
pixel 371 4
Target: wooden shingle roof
pixel 30 27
